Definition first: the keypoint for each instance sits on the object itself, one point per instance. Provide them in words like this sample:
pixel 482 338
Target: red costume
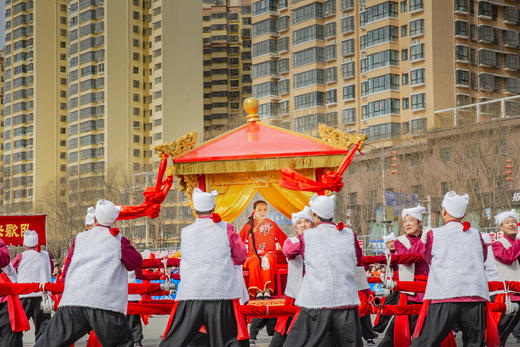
pixel 262 266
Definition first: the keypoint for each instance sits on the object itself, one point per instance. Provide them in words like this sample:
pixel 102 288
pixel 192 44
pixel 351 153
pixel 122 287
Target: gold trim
pixel 188 183
pixel 178 147
pixel 341 138
pixel 252 165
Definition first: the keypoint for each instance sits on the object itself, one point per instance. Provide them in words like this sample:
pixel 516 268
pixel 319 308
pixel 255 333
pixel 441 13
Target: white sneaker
pixel 267 295
pixel 259 296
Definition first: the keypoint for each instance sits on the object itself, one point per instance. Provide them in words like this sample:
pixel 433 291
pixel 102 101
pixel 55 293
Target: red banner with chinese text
pixel 13 227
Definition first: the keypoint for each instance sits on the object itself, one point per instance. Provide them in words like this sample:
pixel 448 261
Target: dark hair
pixel 326 220
pixel 198 213
pixel 258 202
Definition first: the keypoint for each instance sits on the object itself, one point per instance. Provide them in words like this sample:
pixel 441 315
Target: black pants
pixel 32 308
pixel 134 321
pixel 7 337
pixel 216 315
pixel 258 324
pixel 279 339
pixel 506 325
pixel 388 339
pixel 391 299
pixel 313 325
pixel 70 323
pixel 366 328
pixel 442 317
pixel 516 331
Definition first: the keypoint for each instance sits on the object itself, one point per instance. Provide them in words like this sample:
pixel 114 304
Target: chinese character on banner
pixel 12 228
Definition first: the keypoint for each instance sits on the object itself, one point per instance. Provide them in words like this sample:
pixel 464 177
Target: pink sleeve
pixel 16 261
pixel 5 256
pixel 130 258
pixel 67 260
pixel 293 249
pixel 484 247
pixel 359 250
pixel 428 247
pixel 51 262
pixel 238 248
pixel 506 256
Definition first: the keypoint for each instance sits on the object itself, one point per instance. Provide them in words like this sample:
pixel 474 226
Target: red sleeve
pixel 244 232
pixel 428 247
pixel 359 250
pixel 401 249
pixel 51 262
pixel 506 256
pixel 130 258
pixel 293 249
pixel 5 256
pixel 238 248
pixel 67 261
pixel 279 235
pixel 17 260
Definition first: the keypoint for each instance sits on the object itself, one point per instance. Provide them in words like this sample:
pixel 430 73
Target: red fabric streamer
pixel 19 321
pixel 330 180
pixel 449 341
pixel 215 217
pixel 93 341
pixel 340 226
pixel 38 248
pixel 499 299
pixel 466 226
pixel 242 332
pixel 420 320
pixel 153 197
pixel 492 337
pixel 157 263
pixel 281 323
pixel 402 335
pixel 170 320
pixel 405 259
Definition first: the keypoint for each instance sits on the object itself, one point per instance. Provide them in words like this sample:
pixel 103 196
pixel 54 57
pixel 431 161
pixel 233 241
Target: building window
pixel 417 77
pixel 462 78
pixel 417 52
pixel 404 79
pixel 404 6
pixel 404 30
pixel 417 27
pixel 377 36
pixel 349 116
pixel 330 30
pixel 332 96
pixel 404 54
pixel 418 126
pixel 308 56
pixel 461 28
pixel 313 32
pixel 349 92
pixel 418 101
pixel 331 74
pixel 352 199
pixel 387 9
pixel 348 47
pixel 461 53
pixel 406 103
pixel 309 100
pixel 379 84
pixel 380 108
pixel 301 14
pixel 348 70
pixel 379 60
pixel 347 24
pixel 307 78
pixel 330 52
pixel 416 5
pixel 461 5
pixel 347 5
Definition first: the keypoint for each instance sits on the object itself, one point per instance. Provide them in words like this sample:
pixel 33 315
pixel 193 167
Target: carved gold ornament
pixel 179 146
pixel 188 183
pixel 341 138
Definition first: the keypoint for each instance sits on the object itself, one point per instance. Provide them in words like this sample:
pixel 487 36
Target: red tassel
pixel 466 226
pixel 114 231
pixel 17 317
pixel 216 218
pixel 449 341
pixel 493 339
pixel 420 320
pixel 402 335
pixel 170 320
pixel 340 226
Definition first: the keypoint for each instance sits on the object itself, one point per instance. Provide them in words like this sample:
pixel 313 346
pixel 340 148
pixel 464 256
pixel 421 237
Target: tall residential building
pixel 35 101
pixel 91 87
pixel 227 64
pixel 380 67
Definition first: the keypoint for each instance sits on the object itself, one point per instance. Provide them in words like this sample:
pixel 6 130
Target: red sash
pixel 402 335
pixel 19 321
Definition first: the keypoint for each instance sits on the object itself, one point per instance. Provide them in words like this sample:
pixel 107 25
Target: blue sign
pixel 400 201
pixel 376 246
pixel 279 218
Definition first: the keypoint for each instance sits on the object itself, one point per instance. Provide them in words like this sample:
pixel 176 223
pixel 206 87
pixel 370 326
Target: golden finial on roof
pixel 251 108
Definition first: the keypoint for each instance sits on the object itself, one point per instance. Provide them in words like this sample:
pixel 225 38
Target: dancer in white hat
pixel 33 266
pixel 210 249
pixel 457 284
pixel 506 250
pixel 328 296
pixel 96 286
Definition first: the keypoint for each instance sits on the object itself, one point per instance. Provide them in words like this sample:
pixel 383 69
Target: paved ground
pixel 153 332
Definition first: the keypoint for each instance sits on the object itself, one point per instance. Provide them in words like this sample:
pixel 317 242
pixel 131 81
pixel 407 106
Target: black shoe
pixel 252 342
pixel 370 342
pixel 259 296
pixel 267 295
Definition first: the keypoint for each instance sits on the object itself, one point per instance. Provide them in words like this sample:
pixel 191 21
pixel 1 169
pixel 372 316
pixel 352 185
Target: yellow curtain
pixel 237 190
pixel 233 200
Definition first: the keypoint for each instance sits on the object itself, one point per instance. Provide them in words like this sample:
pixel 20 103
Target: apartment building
pixel 380 67
pixel 34 108
pixel 227 64
pixel 91 86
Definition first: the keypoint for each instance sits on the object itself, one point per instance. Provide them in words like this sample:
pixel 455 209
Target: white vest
pixel 96 277
pixel 35 267
pixel 406 272
pixel 457 267
pixel 206 269
pixel 507 272
pixel 330 268
pixel 133 279
pixel 294 275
